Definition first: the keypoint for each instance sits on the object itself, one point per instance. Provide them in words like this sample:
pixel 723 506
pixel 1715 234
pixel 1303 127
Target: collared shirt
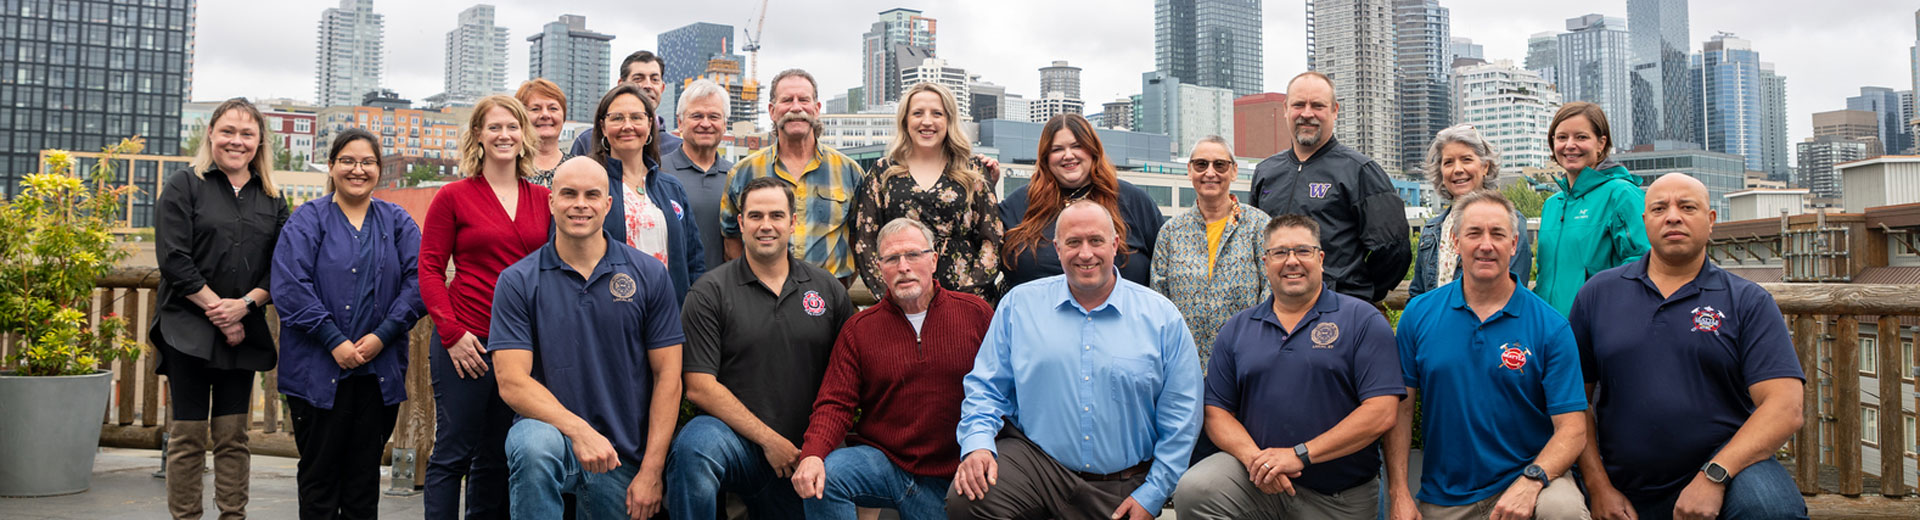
pixel 209 234
pixel 903 382
pixel 823 191
pixel 1673 386
pixel 1488 390
pixel 1236 280
pixel 334 284
pixel 1099 390
pixel 1363 228
pixel 770 349
pixel 705 188
pixel 590 335
pixel 1340 353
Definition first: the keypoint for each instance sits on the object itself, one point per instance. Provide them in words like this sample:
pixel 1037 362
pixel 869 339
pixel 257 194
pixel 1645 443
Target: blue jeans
pixel 708 458
pixel 541 467
pixel 862 476
pixel 469 441
pixel 1763 491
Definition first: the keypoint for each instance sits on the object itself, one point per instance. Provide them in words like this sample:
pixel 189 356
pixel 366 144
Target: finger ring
pixel 1265 465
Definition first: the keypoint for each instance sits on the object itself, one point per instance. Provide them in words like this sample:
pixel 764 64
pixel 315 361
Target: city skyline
pixel 1866 43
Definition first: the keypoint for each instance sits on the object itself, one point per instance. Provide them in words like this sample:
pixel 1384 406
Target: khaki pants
pixel 1033 486
pixel 1219 488
pixel 1560 501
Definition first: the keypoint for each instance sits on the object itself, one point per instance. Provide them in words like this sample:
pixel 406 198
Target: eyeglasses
pixel 349 163
pixel 623 119
pixel 1219 165
pixel 1282 253
pixel 910 256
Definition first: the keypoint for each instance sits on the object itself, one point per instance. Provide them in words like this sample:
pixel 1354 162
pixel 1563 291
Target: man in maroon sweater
pixel 900 363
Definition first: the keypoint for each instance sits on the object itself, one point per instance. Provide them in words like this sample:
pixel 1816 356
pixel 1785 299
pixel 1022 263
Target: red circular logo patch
pixel 813 303
pixel 1513 358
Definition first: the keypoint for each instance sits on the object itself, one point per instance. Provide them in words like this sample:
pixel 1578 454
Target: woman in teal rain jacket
pixel 1594 223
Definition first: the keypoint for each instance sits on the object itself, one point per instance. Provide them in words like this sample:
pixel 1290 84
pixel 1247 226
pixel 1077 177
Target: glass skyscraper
pixel 1210 43
pixel 688 48
pixel 83 75
pixel 576 59
pixel 1735 85
pixel 1665 101
pixel 1424 55
pixel 1593 68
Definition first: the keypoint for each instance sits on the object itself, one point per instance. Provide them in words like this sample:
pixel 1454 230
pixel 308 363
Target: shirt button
pixel 1088 466
pixel 1086 347
pixel 349 307
pixel 1086 408
pixel 354 270
pixel 1086 378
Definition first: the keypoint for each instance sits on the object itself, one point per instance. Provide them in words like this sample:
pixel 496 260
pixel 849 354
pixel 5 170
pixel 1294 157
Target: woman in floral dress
pixel 928 175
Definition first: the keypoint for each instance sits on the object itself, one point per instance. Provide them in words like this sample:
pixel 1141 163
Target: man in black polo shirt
pixel 1363 229
pixel 1694 381
pixel 759 332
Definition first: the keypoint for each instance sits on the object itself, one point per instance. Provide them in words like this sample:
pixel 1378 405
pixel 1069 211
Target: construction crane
pixel 753 44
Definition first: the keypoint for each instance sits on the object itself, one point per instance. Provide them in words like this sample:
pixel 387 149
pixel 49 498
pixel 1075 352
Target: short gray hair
pixel 1488 197
pixel 705 88
pixel 1467 135
pixel 1222 141
pixel 902 224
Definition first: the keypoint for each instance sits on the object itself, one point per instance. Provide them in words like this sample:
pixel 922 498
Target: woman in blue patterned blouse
pixel 1207 260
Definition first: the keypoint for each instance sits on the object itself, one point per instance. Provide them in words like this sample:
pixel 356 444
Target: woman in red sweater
pixel 482 223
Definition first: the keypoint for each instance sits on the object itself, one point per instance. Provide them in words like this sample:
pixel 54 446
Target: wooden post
pixel 1893 449
pixel 129 376
pixel 1806 444
pixel 1846 404
pixel 149 360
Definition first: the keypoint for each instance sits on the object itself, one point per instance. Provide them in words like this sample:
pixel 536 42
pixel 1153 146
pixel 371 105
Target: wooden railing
pixel 136 417
pixel 1824 320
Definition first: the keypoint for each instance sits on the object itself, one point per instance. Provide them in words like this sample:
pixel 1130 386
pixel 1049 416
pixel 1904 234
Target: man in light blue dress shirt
pixel 1084 401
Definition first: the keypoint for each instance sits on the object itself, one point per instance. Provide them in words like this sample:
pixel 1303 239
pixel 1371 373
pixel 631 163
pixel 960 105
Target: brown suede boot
pixel 231 464
pixel 186 460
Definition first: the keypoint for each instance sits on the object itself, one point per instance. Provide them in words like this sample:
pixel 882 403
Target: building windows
pixel 1870 426
pixel 1869 355
pixel 302 126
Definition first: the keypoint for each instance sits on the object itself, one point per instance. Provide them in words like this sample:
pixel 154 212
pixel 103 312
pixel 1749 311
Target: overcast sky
pixel 266 49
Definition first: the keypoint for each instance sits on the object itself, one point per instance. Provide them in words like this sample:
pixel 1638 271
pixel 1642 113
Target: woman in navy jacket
pixel 662 224
pixel 345 280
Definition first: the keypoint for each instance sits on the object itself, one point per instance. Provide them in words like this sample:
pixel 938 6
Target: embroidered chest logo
pixel 622 287
pixel 1318 190
pixel 1325 334
pixel 1514 357
pixel 1706 319
pixel 677 212
pixel 813 303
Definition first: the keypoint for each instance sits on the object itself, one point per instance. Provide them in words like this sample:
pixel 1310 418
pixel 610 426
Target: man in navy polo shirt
pixel 1692 400
pixel 1331 359
pixel 1497 374
pixel 590 362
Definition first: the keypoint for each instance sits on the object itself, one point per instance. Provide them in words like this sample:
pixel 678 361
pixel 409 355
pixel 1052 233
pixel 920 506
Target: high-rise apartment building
pixel 1061 78
pixel 1053 104
pixel 73 83
pixel 347 57
pixel 1460 47
pixel 687 49
pixel 1117 114
pixel 1858 125
pixel 1511 107
pixel 1352 42
pixel 1734 84
pixel 1665 100
pixel 476 55
pixel 576 59
pixel 1819 154
pixel 1424 52
pixel 1184 112
pixel 1543 56
pixel 1593 67
pixel 1211 43
pixel 936 70
pixel 881 51
pixel 1884 102
pixel 1773 125
pixel 987 99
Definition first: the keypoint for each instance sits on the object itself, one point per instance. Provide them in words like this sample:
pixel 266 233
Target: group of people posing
pixel 1232 361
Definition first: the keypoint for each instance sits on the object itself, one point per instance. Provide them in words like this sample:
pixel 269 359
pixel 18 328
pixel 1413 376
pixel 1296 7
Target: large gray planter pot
pixel 49 432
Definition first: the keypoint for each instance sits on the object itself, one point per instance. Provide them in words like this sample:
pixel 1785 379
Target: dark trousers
pixel 469 442
pixel 197 391
pixel 1033 486
pixel 339 469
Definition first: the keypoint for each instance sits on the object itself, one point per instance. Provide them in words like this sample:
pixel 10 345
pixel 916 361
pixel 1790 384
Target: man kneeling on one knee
pixel 1298 393
pixel 586 338
pixel 1497 374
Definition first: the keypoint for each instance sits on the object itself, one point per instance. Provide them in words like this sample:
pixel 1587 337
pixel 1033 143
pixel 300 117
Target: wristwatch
pixel 251 305
pixel 1300 450
pixel 1537 473
pixel 1716 473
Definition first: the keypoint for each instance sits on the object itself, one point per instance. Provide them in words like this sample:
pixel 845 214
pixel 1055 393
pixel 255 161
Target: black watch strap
pixel 1538 474
pixel 1300 450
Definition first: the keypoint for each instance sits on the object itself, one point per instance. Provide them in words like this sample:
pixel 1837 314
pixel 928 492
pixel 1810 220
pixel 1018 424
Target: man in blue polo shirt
pixel 1331 358
pixel 1692 400
pixel 1497 374
pixel 590 362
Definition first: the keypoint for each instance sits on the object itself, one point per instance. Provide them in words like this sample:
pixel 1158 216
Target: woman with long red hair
pixel 1072 166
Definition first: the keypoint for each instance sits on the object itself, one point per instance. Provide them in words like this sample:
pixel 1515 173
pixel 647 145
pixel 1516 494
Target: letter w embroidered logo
pixel 1318 190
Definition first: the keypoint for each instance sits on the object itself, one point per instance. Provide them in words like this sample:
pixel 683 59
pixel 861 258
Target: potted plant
pixel 55 239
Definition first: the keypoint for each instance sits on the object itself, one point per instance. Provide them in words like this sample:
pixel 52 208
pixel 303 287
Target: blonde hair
pixel 473 155
pixel 959 151
pixel 262 164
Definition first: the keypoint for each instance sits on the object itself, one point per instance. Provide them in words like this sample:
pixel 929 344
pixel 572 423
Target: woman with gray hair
pixel 1459 162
